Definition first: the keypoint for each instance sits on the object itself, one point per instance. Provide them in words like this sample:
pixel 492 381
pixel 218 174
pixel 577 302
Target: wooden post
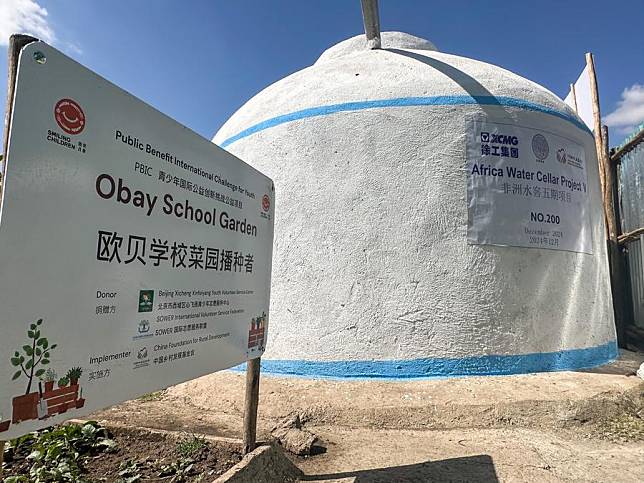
pixel 574 97
pixel 1 459
pixel 609 193
pixel 607 180
pixel 16 44
pixel 615 257
pixel 250 404
pixel 597 128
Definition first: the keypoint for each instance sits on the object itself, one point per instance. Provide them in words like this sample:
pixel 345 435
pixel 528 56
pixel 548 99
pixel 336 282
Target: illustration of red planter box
pixel 256 332
pixel 255 337
pixel 61 399
pixel 25 407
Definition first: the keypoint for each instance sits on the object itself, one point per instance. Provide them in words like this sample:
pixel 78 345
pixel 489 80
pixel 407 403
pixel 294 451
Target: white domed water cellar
pixel 399 250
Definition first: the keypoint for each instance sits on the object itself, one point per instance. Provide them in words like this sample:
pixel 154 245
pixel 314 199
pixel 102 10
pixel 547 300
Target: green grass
pixel 152 396
pixel 189 447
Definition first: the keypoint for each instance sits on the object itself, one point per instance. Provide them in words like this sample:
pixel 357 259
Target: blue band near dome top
pixel 405 102
pixel 488 365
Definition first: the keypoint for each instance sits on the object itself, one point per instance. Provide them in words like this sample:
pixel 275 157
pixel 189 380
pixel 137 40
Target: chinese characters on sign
pixel 197 188
pixel 536 191
pixel 177 255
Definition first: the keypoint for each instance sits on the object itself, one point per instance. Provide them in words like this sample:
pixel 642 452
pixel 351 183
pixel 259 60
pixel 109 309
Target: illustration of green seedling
pixel 35 354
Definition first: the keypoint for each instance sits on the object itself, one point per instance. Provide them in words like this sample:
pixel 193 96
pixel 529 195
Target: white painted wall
pixel 371 260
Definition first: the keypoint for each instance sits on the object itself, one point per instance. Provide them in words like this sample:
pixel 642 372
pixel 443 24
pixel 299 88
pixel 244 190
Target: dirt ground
pixel 483 455
pixel 565 426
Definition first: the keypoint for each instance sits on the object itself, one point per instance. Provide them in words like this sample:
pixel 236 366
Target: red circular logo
pixel 69 116
pixel 266 202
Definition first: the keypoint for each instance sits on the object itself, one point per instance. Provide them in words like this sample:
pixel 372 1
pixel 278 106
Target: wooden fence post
pixel 597 128
pixel 609 191
pixel 616 260
pixel 1 460
pixel 16 44
pixel 250 404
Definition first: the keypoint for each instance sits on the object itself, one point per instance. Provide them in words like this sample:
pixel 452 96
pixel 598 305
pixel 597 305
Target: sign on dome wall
pixel 526 187
pixel 135 253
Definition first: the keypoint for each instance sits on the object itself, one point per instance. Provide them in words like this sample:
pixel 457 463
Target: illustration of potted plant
pixel 4 425
pixel 49 378
pixel 74 375
pixel 36 353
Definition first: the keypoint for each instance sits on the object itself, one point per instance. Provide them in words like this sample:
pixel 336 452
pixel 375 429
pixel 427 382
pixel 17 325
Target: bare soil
pixel 214 404
pixel 361 455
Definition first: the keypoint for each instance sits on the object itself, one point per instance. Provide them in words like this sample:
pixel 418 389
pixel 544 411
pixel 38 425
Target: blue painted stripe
pixel 405 102
pixel 443 367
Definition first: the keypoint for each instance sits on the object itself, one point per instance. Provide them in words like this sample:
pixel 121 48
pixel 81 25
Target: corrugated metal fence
pixel 631 206
pixel 636 271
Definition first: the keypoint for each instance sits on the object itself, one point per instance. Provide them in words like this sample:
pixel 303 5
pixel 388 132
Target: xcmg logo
pixel 495 138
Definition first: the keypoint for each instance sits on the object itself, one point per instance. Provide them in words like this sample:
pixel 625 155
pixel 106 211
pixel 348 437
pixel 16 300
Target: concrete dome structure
pixel 373 275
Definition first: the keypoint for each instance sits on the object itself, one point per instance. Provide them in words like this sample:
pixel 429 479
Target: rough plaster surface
pixel 358 43
pixel 371 260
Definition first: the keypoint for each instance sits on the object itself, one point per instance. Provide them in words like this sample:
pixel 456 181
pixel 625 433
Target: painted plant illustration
pixel 36 354
pixel 40 402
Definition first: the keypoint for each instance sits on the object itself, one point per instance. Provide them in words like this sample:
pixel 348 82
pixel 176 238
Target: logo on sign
pixel 561 155
pixel 266 203
pixel 69 116
pixel 146 300
pixel 540 147
pixel 142 358
pixel 143 330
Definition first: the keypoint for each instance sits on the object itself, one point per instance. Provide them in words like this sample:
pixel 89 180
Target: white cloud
pixel 71 48
pixel 26 17
pixel 630 110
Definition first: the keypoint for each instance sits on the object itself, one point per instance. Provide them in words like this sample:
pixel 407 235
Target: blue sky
pixel 199 61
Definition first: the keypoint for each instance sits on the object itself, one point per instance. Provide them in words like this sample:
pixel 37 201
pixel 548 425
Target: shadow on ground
pixel 478 468
pixel 626 365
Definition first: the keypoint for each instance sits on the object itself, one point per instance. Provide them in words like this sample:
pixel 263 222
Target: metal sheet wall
pixel 631 189
pixel 631 200
pixel 636 270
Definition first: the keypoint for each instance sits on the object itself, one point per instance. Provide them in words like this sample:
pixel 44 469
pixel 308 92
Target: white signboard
pixel 582 104
pixel 526 188
pixel 134 253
